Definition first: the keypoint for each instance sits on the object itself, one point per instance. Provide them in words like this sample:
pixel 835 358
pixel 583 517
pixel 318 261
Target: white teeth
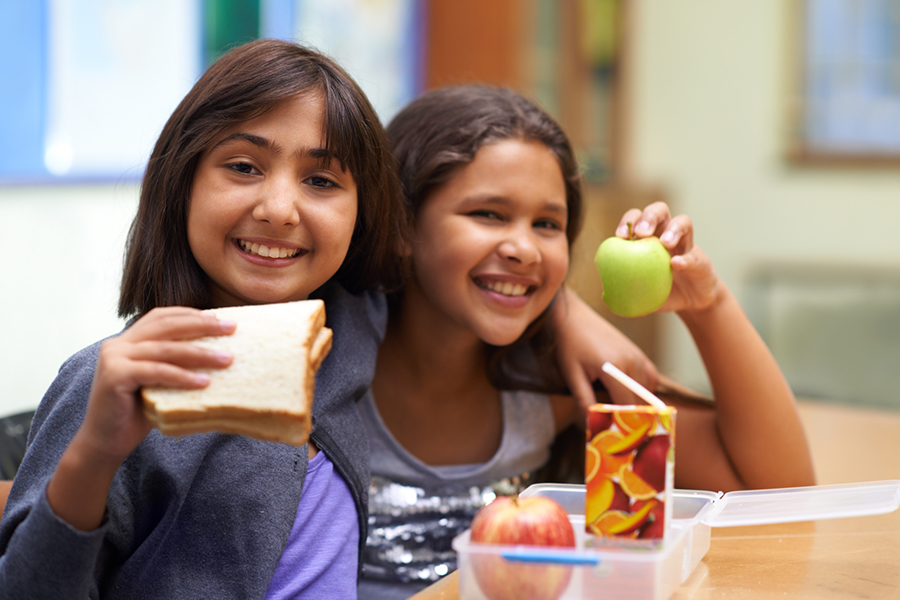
pixel 265 251
pixel 507 289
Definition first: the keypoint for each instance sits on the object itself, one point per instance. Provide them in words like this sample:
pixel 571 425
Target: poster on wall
pixel 94 81
pixel 116 71
pixel 104 76
pixel 377 41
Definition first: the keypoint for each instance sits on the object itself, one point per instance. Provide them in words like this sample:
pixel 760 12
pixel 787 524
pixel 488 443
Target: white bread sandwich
pixel 267 391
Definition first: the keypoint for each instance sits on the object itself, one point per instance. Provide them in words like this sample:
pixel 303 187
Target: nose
pixel 279 203
pixel 520 246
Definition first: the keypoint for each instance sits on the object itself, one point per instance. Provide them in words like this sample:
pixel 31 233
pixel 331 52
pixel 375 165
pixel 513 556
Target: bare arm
pixel 751 436
pixel 586 341
pixel 756 419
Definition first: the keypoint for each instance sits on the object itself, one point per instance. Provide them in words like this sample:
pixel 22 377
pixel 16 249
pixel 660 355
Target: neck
pixel 426 353
pixel 432 390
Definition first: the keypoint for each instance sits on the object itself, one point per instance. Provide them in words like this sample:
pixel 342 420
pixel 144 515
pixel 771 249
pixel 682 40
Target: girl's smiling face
pixel 490 248
pixel 271 215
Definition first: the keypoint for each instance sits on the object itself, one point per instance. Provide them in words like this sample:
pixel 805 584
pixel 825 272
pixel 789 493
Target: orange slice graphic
pixel 635 487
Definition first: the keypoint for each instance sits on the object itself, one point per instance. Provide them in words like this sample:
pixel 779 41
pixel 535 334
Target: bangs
pixel 347 139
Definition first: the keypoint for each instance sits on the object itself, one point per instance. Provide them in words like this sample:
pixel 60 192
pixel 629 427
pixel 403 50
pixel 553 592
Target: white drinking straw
pixel 634 386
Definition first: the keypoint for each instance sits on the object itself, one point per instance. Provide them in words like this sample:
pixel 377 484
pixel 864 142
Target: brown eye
pixel 549 224
pixel 242 167
pixel 321 182
pixel 485 214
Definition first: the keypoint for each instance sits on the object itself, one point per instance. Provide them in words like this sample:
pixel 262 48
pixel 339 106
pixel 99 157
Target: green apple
pixel 636 275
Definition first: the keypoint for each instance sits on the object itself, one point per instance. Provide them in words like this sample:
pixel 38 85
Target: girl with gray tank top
pixel 487 350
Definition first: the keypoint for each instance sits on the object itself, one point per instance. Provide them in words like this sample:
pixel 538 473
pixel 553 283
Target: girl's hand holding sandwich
pixel 150 352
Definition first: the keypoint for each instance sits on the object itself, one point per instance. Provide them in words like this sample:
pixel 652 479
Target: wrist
pixel 719 299
pixel 560 308
pixel 78 490
pixel 84 455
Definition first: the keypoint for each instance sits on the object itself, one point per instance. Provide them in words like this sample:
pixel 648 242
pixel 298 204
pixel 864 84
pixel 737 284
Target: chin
pixel 502 338
pixel 263 296
pixel 505 331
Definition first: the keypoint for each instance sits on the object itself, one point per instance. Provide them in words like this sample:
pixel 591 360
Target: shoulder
pixel 56 418
pixel 86 358
pixel 65 401
pixel 366 309
pixel 76 372
pixel 79 366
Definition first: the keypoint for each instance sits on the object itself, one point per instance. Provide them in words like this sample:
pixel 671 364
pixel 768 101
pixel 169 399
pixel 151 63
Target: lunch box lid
pixel 757 507
pixel 811 503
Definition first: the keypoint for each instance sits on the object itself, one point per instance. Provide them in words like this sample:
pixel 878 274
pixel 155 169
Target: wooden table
pixel 819 560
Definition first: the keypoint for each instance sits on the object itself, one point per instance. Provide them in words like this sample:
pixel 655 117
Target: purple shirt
pixel 320 559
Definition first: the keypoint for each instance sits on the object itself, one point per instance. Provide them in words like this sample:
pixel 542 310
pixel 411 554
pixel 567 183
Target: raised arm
pixel 148 353
pixel 89 421
pixel 751 436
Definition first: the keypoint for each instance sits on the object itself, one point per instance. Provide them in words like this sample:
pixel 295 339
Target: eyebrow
pixel 321 154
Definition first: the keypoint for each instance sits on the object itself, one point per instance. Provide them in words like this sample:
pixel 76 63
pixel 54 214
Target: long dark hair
pixel 160 269
pixel 432 138
pixel 440 132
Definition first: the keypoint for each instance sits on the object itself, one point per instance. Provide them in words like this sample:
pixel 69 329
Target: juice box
pixel 629 474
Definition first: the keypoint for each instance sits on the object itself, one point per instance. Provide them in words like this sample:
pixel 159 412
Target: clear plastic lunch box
pixel 653 574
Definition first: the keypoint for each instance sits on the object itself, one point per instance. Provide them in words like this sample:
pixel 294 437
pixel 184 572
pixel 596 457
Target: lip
pixel 504 300
pixel 266 260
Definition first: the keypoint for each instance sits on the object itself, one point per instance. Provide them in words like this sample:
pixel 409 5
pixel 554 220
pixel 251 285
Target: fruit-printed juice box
pixel 629 473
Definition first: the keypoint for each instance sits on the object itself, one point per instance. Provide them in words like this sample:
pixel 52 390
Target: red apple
pixel 512 521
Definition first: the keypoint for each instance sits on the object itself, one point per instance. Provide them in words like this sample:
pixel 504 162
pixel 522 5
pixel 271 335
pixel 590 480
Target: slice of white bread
pixel 267 392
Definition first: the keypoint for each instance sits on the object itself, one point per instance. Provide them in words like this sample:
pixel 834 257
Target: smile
pixel 266 251
pixel 503 287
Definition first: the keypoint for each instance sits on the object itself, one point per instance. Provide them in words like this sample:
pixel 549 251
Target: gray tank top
pixel 415 510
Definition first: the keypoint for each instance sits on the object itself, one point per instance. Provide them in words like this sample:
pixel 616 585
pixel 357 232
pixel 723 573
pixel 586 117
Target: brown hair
pixel 440 132
pixel 443 129
pixel 160 269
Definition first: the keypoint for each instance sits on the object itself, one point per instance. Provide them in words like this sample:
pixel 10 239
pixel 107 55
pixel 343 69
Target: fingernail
pixel 622 231
pixel 224 356
pixel 201 378
pixel 667 238
pixel 643 228
pixel 227 324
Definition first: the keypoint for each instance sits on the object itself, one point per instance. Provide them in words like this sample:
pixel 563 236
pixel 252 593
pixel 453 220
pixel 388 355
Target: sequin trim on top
pixel 411 529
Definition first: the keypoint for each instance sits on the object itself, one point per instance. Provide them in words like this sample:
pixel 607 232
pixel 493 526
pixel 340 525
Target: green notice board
pixel 226 24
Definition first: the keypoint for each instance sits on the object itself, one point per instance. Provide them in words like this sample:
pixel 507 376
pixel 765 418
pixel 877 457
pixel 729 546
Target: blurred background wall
pixel 774 125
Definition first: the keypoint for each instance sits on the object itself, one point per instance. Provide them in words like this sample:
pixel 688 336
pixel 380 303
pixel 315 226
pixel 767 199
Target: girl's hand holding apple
pixel 695 284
